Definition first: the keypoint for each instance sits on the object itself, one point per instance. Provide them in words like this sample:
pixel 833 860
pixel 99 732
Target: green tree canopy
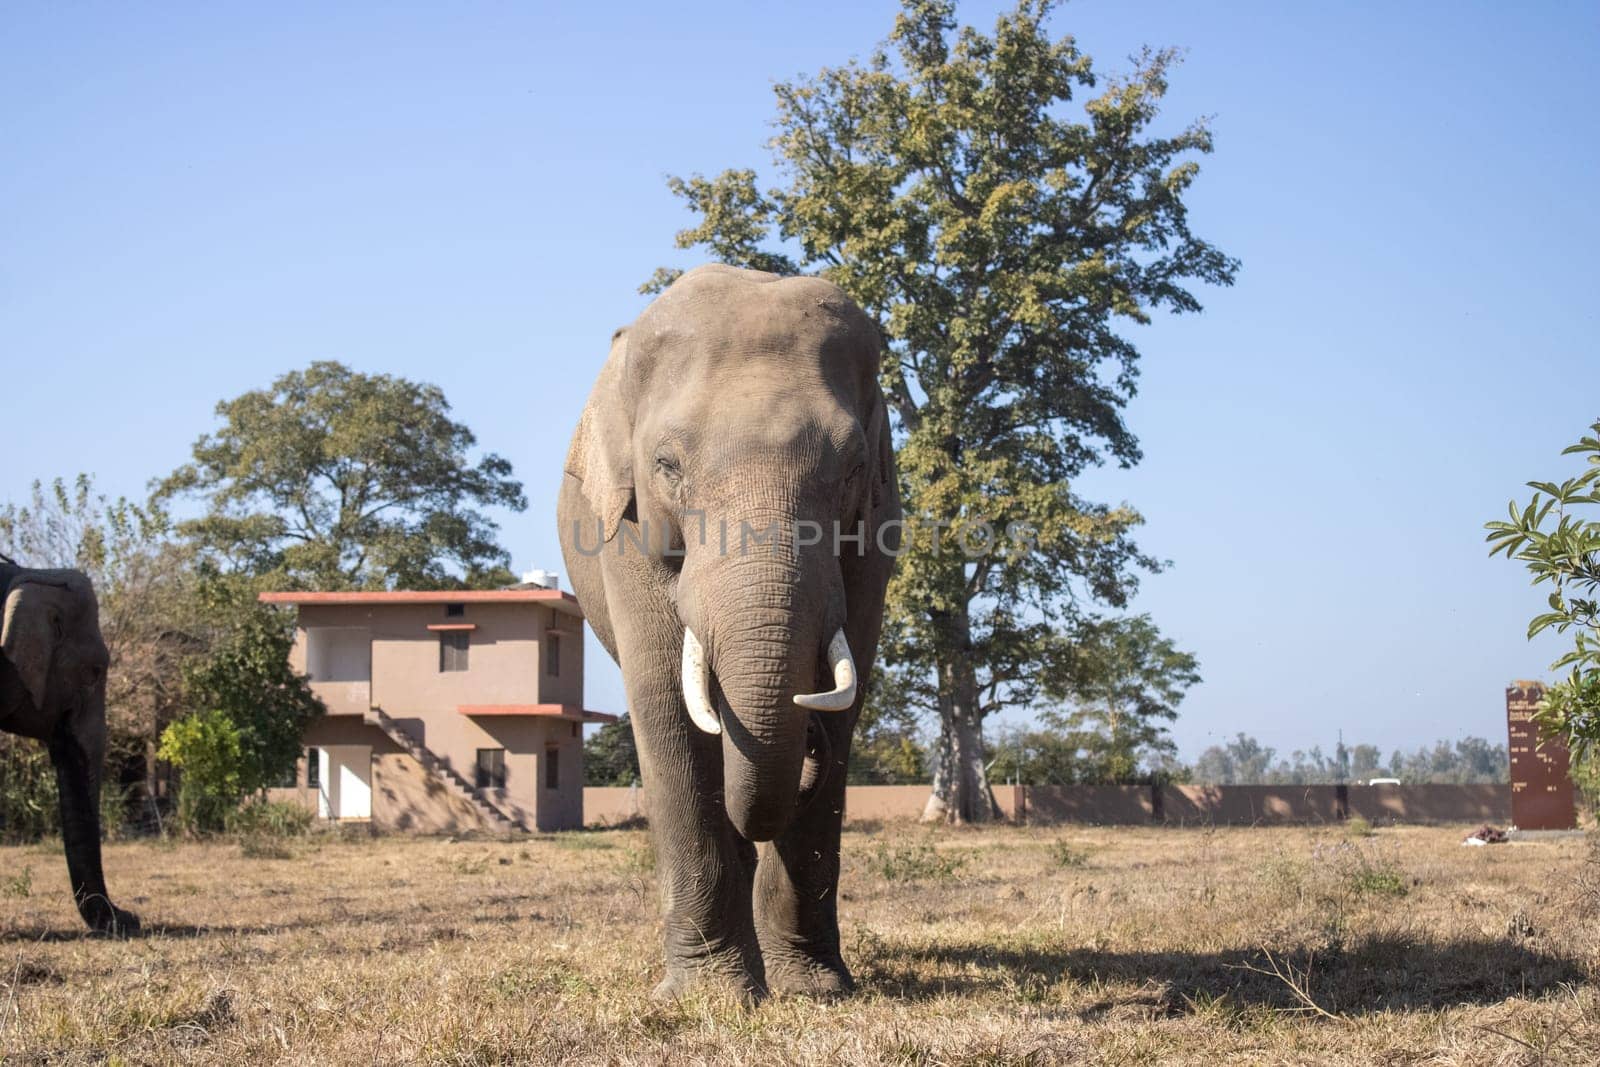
pixel 1002 242
pixel 1121 685
pixel 610 756
pixel 1114 694
pixel 334 479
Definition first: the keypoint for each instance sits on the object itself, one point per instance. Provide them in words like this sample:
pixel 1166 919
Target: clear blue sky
pixel 195 198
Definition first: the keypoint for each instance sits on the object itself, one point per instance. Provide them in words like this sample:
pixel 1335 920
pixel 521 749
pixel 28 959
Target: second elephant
pixel 53 689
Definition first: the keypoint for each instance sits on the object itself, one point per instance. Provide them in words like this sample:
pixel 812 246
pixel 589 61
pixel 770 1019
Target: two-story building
pixel 447 711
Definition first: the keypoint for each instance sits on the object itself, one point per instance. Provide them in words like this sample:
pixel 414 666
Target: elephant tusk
pixel 697 685
pixel 844 679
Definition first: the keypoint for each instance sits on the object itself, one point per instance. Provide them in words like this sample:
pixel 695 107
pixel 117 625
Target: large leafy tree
pixel 334 479
pixel 1557 537
pixel 1002 241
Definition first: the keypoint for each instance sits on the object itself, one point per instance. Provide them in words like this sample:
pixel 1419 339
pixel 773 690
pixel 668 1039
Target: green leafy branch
pixel 1551 536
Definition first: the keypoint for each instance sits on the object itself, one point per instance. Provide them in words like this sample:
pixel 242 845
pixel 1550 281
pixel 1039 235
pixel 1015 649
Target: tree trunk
pixel 961 792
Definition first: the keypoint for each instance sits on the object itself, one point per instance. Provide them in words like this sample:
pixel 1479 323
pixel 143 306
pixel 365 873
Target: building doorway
pixel 345 774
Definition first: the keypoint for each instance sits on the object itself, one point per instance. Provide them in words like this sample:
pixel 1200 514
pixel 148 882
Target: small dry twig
pixel 1538 1055
pixel 1299 983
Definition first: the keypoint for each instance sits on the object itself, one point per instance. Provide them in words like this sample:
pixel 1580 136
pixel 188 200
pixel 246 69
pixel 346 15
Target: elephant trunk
pixel 765 644
pixel 78 769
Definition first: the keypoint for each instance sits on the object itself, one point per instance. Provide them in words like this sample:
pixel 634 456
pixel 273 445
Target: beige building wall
pixel 508 661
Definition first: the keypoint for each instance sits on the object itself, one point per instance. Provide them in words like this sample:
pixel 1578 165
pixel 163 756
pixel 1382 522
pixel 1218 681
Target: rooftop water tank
pixel 542 578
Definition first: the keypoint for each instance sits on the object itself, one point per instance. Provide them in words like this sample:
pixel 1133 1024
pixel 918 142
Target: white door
pixel 355 792
pixel 347 784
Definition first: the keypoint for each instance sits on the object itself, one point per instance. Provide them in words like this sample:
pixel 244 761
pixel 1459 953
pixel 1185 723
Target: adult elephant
pixel 729 518
pixel 53 689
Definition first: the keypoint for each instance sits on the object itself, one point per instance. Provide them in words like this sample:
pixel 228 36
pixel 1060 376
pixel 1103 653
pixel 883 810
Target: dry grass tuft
pixel 992 946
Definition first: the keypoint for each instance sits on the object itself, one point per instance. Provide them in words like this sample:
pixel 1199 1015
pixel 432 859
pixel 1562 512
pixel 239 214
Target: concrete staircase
pixel 496 815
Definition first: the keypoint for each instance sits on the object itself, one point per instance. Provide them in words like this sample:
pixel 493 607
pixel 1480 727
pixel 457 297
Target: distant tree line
pixel 1245 761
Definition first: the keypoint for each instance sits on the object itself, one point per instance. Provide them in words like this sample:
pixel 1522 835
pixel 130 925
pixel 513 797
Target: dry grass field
pixel 1038 945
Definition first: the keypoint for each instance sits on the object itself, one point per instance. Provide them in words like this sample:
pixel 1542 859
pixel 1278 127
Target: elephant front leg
pixel 797 883
pixel 704 868
pixel 709 929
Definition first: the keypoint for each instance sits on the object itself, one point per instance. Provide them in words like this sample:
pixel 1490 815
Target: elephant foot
pixel 715 974
pixel 108 920
pixel 826 979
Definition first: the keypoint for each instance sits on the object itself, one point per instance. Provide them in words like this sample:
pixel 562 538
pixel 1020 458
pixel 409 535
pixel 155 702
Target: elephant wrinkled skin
pixel 735 429
pixel 53 689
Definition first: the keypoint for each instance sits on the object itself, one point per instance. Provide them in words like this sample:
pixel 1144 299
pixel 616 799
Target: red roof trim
pixel 556 598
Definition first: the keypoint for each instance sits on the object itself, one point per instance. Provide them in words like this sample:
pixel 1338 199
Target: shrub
pixel 1285 876
pixel 18 885
pixel 1360 871
pixel 205 748
pixel 915 862
pixel 1065 855
pixel 269 818
pixel 264 847
pixel 1378 881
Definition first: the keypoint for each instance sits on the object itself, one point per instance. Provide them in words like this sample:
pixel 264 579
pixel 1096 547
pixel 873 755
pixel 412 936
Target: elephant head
pixel 53 689
pixel 741 441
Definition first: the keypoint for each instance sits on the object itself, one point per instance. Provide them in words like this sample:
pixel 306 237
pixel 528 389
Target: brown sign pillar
pixel 1542 797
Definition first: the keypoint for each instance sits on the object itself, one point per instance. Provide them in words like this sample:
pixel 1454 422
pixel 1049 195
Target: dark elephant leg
pixel 703 866
pixel 797 881
pixel 78 782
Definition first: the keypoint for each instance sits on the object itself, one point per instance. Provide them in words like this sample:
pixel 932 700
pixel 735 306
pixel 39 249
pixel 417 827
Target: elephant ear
pixel 882 499
pixel 601 457
pixel 30 633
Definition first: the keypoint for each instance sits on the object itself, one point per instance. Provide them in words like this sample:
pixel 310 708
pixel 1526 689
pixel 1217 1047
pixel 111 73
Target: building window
pixel 552 654
pixel 491 768
pixel 454 611
pixel 574 729
pixel 313 769
pixel 453 650
pixel 552 768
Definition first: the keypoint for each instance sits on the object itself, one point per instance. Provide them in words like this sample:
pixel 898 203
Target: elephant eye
pixel 669 469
